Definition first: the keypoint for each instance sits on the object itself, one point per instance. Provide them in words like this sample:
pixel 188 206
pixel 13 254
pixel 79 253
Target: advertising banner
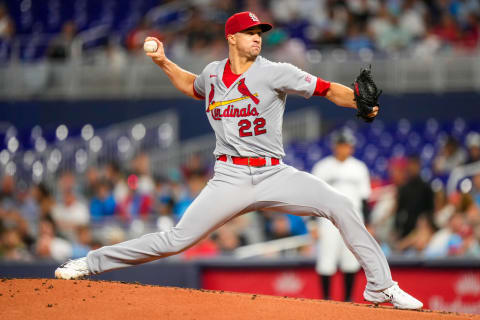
pixel 455 290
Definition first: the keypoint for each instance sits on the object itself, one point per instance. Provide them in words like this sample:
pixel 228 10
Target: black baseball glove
pixel 366 94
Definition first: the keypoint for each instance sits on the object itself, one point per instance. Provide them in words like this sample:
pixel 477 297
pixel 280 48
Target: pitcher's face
pixel 248 42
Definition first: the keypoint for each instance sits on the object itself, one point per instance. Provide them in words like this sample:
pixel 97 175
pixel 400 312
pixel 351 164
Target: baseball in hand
pixel 150 46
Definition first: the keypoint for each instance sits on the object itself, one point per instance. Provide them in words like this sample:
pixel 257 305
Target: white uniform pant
pixel 332 251
pixel 237 189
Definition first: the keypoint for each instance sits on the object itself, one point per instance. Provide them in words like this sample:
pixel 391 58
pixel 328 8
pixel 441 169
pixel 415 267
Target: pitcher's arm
pixel 180 78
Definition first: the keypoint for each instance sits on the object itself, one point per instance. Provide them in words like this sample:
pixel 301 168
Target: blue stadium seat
pixel 377 144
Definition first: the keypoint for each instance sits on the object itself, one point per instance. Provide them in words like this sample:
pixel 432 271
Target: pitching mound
pixel 84 299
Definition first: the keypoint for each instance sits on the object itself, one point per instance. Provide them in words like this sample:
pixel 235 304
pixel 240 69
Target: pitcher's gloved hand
pixel 366 95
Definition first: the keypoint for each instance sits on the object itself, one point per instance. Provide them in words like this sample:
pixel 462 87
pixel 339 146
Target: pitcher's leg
pixel 218 202
pixel 301 193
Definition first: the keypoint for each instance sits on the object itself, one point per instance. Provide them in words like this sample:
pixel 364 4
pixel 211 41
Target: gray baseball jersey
pixel 247 120
pixel 247 117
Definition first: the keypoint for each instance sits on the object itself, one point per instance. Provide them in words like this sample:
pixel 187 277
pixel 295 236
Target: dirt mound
pixel 84 299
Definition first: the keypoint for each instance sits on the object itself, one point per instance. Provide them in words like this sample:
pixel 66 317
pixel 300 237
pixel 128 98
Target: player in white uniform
pixel 349 176
pixel 245 99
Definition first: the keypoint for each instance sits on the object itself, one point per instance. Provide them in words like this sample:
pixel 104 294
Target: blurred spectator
pixel 139 202
pixel 476 189
pixel 473 147
pixel 28 207
pixel 49 245
pixel 248 228
pixel 383 212
pixel 474 249
pixel 417 240
pixel 448 30
pixel 380 23
pixel 412 18
pixel 281 225
pixel 427 46
pixel 7 26
pixel 469 207
pixel 199 32
pixel 11 246
pixel 228 240
pixel 457 239
pixel 443 208
pixel 163 195
pixel 471 32
pixel 334 26
pixel 59 48
pixel 460 9
pixel 102 204
pixel 195 182
pixel 7 192
pixel 15 197
pixel 394 37
pixel 69 212
pixel 117 181
pixel 111 234
pixel 67 182
pixel 83 243
pixel 91 179
pixel 283 11
pixel 141 167
pixel 194 165
pixel 12 218
pixel 357 39
pixel 44 200
pixel 137 205
pixel 163 204
pixel 414 198
pixel 362 10
pixel 450 156
pixel 202 249
pixel 289 50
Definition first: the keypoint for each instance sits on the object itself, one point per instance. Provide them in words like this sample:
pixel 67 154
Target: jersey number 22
pixel 244 127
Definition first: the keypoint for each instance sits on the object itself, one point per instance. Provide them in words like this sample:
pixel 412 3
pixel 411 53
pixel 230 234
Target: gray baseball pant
pixel 237 189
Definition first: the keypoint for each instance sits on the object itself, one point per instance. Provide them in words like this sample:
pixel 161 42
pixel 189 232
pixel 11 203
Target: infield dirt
pixel 85 299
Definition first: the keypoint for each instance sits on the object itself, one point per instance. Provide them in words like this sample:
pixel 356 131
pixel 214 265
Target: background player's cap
pixel 242 21
pixel 344 136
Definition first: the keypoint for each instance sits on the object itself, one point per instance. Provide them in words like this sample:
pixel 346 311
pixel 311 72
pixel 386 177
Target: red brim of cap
pixel 263 26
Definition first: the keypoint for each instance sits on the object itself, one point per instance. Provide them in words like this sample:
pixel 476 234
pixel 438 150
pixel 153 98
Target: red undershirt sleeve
pixel 322 87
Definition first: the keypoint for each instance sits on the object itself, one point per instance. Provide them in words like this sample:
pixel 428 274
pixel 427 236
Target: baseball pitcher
pixel 245 97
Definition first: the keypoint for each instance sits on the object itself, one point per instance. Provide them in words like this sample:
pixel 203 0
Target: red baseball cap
pixel 242 21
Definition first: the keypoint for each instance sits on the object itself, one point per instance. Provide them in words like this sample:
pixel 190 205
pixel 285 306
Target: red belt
pixel 249 161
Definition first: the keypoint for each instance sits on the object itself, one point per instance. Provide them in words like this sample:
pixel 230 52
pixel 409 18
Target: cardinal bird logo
pixel 210 96
pixel 242 88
